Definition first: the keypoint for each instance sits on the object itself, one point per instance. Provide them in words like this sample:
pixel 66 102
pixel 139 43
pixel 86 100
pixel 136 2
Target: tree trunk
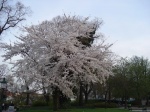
pixel 56 99
pixel 87 90
pixel 63 100
pixel 106 99
pixel 46 95
pixel 147 101
pixel 86 97
pixel 125 102
pixel 125 94
pixel 106 96
pixel 28 95
pixel 81 95
pixel 109 96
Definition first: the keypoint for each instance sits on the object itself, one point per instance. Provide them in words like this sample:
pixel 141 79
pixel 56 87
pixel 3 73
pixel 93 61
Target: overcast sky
pixel 126 22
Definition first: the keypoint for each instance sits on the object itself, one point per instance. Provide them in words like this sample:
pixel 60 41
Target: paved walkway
pixel 135 109
pixel 138 109
pixel 141 110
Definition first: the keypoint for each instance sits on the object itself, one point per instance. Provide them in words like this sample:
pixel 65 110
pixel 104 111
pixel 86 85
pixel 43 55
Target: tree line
pixel 131 79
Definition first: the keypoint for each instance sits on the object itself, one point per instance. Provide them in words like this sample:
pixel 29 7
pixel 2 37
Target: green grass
pixel 76 110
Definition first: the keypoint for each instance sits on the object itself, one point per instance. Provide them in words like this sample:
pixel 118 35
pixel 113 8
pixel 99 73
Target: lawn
pixel 77 110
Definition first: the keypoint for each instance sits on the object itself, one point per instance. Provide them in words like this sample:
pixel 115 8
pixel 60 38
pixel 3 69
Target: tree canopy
pixel 53 51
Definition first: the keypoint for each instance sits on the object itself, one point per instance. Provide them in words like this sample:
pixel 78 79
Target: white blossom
pixel 52 51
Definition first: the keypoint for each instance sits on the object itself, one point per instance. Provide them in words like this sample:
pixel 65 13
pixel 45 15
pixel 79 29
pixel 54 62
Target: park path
pixel 137 109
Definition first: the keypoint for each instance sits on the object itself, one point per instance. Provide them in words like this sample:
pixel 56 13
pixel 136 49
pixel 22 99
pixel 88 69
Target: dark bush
pixel 64 101
pixel 136 103
pixel 74 103
pixel 66 105
pixel 101 105
pixel 39 103
pixel 96 104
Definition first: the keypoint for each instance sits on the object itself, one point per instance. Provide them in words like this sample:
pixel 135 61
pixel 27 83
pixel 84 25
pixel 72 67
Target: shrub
pixel 39 103
pixel 74 103
pixel 101 105
pixel 66 105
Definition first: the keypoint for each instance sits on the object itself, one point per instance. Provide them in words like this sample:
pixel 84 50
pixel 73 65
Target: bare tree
pixel 11 14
